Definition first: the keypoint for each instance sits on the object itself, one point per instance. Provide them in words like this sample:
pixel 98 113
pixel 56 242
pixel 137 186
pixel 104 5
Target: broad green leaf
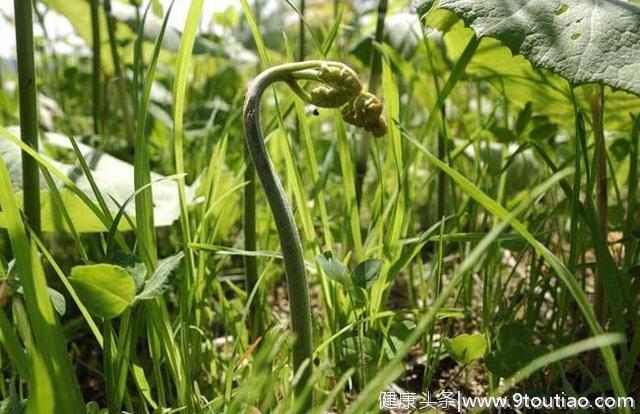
pixel 131 264
pixel 157 283
pixel 440 19
pixel 356 349
pixel 113 176
pixel 424 7
pixel 398 333
pixel 106 290
pixel 543 131
pixel 358 295
pixel 494 64
pixel 83 218
pixel 333 268
pixel 582 41
pixel 514 336
pixel 367 272
pixel 620 148
pixel 466 348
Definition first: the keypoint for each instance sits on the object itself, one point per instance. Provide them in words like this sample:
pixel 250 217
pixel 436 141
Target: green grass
pixel 481 203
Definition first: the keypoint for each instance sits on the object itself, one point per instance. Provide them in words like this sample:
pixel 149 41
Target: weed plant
pixel 487 241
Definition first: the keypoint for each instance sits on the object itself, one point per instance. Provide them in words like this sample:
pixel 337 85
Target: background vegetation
pixel 488 242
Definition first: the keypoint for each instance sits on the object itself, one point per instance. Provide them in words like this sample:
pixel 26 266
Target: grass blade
pixel 569 280
pixel 44 320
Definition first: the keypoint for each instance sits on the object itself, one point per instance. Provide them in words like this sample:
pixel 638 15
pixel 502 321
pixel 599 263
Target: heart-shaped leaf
pixel 105 289
pixel 131 264
pixel 582 41
pixel 367 272
pixel 333 268
pixel 466 348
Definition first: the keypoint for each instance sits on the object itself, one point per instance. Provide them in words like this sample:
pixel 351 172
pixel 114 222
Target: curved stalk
pixel 255 318
pixel 339 87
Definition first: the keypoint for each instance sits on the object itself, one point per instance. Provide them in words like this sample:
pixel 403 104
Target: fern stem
pixel 291 245
pixel 341 89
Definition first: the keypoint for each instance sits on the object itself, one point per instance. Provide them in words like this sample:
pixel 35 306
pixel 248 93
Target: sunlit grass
pixel 477 215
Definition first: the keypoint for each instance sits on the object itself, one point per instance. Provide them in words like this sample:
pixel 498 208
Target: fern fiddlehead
pixel 333 85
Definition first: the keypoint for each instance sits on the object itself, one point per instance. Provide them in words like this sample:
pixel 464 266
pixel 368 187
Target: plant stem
pixel 340 88
pixel 374 81
pixel 632 209
pixel 249 228
pixel 250 244
pixel 300 310
pixel 442 132
pixel 3 112
pixel 597 110
pixel 28 108
pixel 95 39
pixel 117 67
pixel 301 49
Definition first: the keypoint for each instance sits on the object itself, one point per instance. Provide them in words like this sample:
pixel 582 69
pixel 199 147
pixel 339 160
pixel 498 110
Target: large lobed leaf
pixel 113 176
pixel 584 41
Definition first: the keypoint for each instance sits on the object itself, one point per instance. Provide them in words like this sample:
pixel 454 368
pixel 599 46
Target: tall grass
pixel 50 363
pixel 465 244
